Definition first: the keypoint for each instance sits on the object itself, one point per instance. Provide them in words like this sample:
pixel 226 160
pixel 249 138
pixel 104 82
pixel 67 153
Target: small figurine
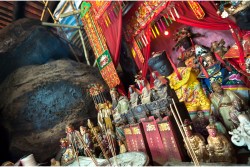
pixel 104 113
pixel 218 48
pixel 87 139
pixel 197 142
pixel 219 126
pixel 160 88
pixel 184 37
pixel 66 155
pixel 74 138
pixel 120 105
pixel 200 123
pixel 146 95
pixel 219 148
pixel 122 147
pixel 241 135
pixel 134 97
pixel 222 101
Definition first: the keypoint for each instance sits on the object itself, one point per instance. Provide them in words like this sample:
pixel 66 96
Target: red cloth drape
pixel 211 20
pixel 146 52
pixel 113 34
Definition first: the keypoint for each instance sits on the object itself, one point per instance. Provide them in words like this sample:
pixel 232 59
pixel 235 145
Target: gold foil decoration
pixel 164 127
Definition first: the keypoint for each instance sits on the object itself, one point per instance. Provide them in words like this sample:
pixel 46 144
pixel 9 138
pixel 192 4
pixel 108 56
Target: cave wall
pixel 42 89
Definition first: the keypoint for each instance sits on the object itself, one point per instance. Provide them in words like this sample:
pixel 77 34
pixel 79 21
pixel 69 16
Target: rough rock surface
pixel 27 42
pixel 37 102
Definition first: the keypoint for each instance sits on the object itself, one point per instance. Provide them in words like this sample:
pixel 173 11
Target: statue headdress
pixel 211 126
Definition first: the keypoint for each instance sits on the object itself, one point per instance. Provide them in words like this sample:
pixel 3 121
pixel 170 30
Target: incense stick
pixel 190 150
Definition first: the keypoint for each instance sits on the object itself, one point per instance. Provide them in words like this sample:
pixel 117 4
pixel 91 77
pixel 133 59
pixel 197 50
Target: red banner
pixel 139 141
pixel 158 153
pixel 170 141
pixel 129 139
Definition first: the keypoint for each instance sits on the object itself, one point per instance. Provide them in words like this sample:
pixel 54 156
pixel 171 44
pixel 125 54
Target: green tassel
pixel 170 19
pixel 166 21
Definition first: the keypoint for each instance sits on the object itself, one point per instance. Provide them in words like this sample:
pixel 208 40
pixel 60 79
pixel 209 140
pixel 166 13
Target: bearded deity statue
pixel 219 148
pixel 197 142
pixel 222 101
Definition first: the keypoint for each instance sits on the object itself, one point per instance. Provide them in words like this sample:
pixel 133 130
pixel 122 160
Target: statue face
pixel 188 132
pixel 209 60
pixel 69 129
pixel 217 88
pixel 114 95
pixel 212 132
pixel 82 130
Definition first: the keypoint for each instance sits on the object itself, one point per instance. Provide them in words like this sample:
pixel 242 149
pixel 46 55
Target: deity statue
pixel 146 95
pixel 160 63
pixel 197 142
pixel 161 89
pixel 134 97
pixel 120 105
pixel 87 139
pixel 122 147
pixel 219 126
pixel 241 135
pixel 66 155
pixel 200 123
pixel 74 138
pixel 219 148
pixel 222 101
pixel 218 48
pixel 103 117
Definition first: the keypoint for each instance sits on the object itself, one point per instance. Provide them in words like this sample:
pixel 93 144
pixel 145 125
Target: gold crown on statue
pixel 211 126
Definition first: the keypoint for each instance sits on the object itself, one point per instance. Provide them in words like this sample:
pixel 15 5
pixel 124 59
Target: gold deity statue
pixel 219 148
pixel 197 143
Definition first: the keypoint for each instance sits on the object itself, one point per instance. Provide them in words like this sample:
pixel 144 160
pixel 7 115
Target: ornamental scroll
pixel 107 69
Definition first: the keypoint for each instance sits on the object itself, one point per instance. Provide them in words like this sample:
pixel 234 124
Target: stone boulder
pixel 38 101
pixel 26 42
